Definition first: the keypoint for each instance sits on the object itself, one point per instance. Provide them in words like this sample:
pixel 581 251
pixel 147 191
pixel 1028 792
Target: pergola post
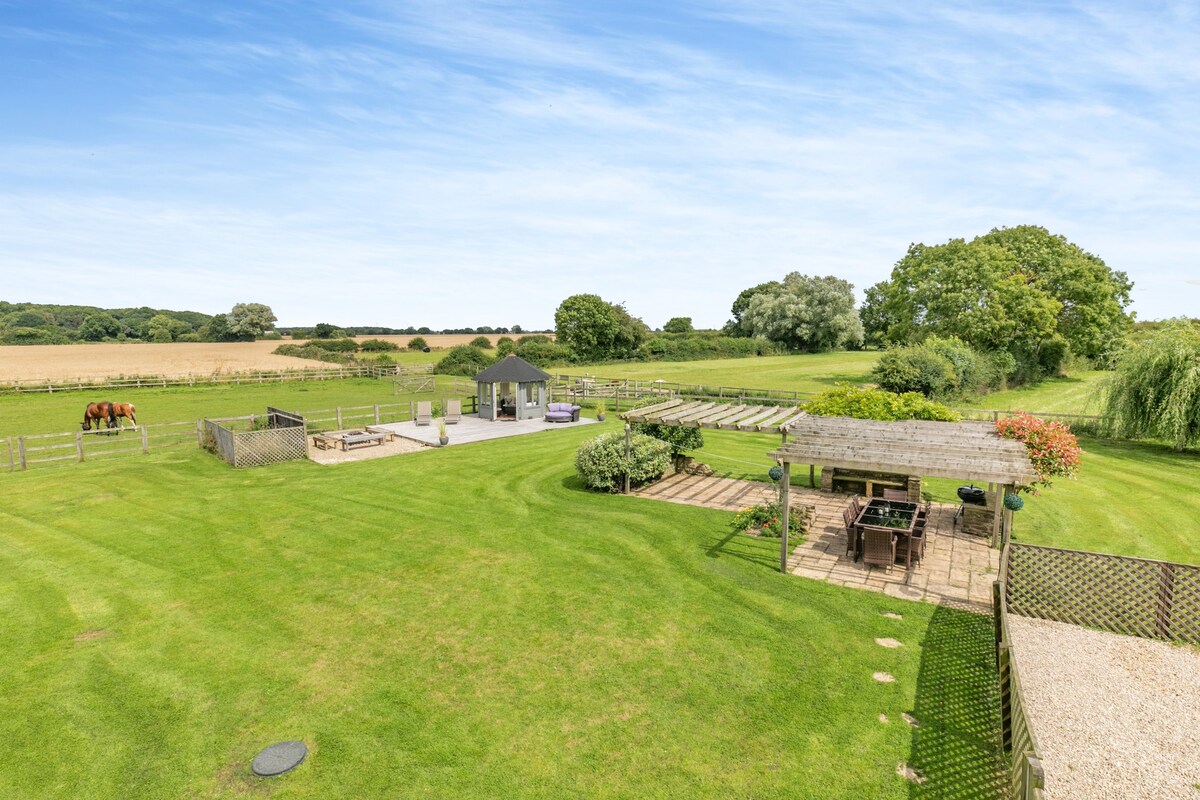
pixel 785 509
pixel 997 513
pixel 628 434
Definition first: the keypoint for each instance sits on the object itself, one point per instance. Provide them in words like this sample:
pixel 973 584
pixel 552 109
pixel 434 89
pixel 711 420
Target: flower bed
pixel 767 520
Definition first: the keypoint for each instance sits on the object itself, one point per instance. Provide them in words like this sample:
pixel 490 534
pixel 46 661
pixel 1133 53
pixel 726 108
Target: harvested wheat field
pixel 81 361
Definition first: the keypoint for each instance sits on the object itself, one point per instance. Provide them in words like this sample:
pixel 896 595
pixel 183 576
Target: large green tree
pixel 248 321
pixel 735 326
pixel 805 313
pixel 594 329
pixel 1021 290
pixel 100 325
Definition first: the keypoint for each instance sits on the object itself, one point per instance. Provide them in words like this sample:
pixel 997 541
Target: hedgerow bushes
pixel 698 347
pixel 602 463
pixel 463 360
pixel 850 401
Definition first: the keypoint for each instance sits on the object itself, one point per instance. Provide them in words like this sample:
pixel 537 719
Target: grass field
pixel 799 373
pixel 62 411
pixel 457 623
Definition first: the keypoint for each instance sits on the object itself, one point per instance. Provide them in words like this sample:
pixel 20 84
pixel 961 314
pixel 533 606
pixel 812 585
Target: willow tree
pixel 1155 392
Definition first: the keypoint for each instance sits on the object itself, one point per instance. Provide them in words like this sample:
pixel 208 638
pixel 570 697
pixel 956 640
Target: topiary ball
pixel 1014 502
pixel 775 473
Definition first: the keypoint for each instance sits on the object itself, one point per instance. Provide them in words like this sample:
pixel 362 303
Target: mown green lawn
pixel 456 623
pixel 798 373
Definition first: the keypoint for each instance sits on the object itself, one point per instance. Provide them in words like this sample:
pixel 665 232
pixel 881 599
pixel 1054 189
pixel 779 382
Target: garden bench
pixel 390 434
pixel 323 441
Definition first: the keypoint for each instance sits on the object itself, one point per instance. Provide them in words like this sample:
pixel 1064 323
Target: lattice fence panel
pixel 1138 597
pixel 259 448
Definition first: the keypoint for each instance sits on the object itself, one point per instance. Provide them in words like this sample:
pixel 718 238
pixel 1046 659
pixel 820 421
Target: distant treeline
pixel 326 331
pixel 37 323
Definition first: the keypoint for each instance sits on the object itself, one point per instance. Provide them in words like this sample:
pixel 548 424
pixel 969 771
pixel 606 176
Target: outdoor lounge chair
pixel 453 411
pixel 424 412
pixel 879 546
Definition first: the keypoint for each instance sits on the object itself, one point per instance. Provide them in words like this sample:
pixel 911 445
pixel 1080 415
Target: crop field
pixel 74 361
pixel 457 623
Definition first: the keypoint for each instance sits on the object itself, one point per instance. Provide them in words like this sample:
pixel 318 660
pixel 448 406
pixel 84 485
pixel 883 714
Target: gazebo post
pixel 785 509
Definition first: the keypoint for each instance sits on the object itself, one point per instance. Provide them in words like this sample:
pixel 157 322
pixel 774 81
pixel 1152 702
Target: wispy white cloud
pixel 397 151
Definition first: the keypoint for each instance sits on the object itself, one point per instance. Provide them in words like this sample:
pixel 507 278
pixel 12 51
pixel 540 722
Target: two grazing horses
pixel 108 412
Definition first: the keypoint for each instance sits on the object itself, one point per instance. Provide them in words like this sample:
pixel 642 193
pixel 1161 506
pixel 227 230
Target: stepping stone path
pixel 909 774
pixel 889 643
pixel 884 677
pixel 883 718
pixel 892 615
pixel 279 758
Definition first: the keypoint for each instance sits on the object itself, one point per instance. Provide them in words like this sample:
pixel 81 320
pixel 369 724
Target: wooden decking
pixel 957 568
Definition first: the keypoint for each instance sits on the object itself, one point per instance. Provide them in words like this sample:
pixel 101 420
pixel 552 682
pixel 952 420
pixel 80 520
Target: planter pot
pixel 600 417
pixel 443 440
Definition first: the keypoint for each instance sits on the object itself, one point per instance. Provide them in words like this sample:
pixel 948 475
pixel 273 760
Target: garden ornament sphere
pixel 775 473
pixel 1014 502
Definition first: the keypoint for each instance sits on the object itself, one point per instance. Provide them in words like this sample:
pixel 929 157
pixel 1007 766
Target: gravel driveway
pixel 1115 716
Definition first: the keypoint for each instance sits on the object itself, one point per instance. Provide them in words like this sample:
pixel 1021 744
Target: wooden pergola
pixel 718 416
pixel 962 450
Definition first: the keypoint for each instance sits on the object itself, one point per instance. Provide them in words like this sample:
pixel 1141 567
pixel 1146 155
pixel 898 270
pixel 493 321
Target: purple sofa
pixel 562 412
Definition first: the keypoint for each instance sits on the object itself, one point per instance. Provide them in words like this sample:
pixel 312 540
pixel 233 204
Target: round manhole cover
pixel 278 759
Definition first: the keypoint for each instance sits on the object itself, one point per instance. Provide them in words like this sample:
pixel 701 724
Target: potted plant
pixel 600 411
pixel 443 437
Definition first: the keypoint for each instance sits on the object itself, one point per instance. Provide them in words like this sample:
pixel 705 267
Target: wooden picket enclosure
pixel 1122 594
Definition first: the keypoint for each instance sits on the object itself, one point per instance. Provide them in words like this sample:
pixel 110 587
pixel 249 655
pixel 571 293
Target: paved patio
pixel 473 429
pixel 957 568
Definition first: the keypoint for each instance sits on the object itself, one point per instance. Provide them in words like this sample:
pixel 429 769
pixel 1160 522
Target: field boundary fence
pixel 200 379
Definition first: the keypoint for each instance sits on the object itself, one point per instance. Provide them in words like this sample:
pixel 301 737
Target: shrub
pixel 504 346
pixel 915 368
pixel 543 353
pixel 878 404
pixel 482 342
pixel 1053 450
pixel 678 438
pixel 679 325
pixel 378 346
pixel 463 360
pixel 417 343
pixel 334 345
pixel 602 463
pixel 269 336
pixel 314 353
pixel 701 346
pixel 533 337
pixel 195 337
pixel 768 519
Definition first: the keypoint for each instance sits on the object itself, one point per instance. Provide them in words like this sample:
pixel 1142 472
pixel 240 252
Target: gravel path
pixel 338 456
pixel 1115 716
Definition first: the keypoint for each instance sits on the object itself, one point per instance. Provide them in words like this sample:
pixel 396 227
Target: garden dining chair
pixel 879 546
pixel 895 494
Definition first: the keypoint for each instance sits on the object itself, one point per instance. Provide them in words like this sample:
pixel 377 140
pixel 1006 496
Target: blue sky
pixel 465 163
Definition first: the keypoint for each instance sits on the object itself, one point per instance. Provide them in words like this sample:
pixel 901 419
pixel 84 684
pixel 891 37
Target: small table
pixel 351 439
pixel 893 515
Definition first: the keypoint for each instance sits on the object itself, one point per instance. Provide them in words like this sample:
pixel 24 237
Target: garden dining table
pixel 891 515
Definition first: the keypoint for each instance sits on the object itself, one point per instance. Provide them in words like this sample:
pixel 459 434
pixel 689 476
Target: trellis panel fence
pixel 1026 779
pixel 255 448
pixel 1122 594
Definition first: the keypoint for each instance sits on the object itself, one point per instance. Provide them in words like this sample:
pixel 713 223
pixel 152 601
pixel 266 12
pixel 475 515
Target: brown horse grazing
pixel 96 412
pixel 123 410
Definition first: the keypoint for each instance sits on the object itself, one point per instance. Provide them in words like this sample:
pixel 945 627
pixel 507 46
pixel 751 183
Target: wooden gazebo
pixel 513 389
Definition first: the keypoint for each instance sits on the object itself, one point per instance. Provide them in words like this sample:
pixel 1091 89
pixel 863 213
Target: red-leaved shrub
pixel 1054 451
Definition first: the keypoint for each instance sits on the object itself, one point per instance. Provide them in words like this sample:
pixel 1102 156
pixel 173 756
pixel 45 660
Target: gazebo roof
pixel 965 450
pixel 512 369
